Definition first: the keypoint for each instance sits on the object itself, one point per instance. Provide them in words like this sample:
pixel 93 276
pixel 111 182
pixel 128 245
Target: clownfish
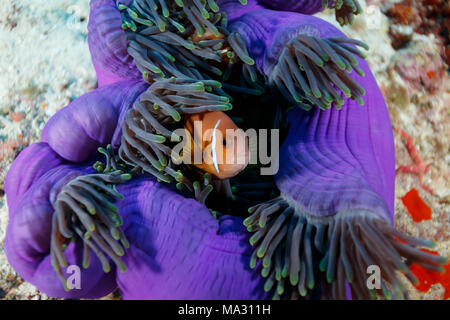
pixel 219 139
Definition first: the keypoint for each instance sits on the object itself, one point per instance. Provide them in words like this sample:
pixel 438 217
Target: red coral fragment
pixel 419 167
pixel 417 208
pixel 427 278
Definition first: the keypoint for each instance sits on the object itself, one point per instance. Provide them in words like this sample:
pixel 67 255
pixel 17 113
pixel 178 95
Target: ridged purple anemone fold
pixel 334 164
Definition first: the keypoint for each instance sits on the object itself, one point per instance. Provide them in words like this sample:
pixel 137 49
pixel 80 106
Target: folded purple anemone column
pixel 108 43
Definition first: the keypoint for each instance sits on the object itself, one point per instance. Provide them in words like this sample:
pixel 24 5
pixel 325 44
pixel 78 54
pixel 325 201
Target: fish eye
pixel 224 142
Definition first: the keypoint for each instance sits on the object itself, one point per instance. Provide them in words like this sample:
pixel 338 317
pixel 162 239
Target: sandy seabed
pixel 45 64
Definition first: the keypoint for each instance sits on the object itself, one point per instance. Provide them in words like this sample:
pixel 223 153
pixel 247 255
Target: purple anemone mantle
pixel 332 161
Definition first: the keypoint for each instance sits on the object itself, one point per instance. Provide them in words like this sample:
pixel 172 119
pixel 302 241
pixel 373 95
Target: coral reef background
pixel 45 64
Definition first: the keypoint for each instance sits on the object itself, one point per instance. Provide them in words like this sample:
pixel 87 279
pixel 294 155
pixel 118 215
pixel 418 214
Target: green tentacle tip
pixel 310 284
pixel 126 176
pixel 123 268
pixel 262 223
pixel 115 234
pixel 199 86
pixel 214 7
pixel 102 150
pixel 360 101
pixel 196 184
pixel 253 263
pixel 323 265
pixel 92 211
pixel 227 107
pixel 133 13
pixel 160 139
pixel 179 186
pixel 175 138
pixel 266 262
pixel 205 14
pixel 261 252
pixel 179 3
pixel 265 272
pixel 347 92
pixel 162 26
pixel 132 26
pixel 303 292
pixel 268 285
pixel 284 272
pixel 106 268
pixel 120 196
pixel 341 64
pixel 243 2
pixel 249 61
pixel 247 221
pixel 317 94
pixel 329 278
pixel 218 84
pixel 176 116
pixel 178 176
pixel 280 289
pixel 253 240
pixel 293 279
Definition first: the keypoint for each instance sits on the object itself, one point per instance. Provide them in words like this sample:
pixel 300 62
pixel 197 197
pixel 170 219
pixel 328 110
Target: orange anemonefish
pixel 208 133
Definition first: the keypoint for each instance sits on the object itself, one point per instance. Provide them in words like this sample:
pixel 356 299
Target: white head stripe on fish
pixel 214 151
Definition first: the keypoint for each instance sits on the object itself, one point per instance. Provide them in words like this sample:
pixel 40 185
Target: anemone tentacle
pixel 186 37
pixel 83 207
pixel 315 70
pixel 308 61
pixel 293 246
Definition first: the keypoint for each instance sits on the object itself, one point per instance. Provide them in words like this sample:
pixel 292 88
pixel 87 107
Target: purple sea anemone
pixel 104 179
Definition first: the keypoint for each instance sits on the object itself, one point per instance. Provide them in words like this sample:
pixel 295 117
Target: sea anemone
pixel 312 229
